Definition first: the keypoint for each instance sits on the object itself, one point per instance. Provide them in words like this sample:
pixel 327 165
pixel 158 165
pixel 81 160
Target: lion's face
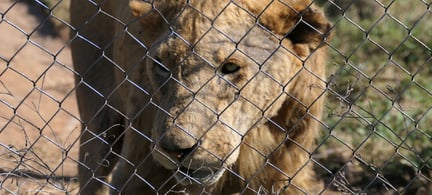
pixel 214 80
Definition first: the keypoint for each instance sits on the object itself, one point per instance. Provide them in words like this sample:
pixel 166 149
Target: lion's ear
pixel 139 8
pixel 312 27
pixel 298 20
pixel 150 23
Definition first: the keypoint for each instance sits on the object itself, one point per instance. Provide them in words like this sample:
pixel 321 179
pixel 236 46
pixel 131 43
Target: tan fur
pixel 139 8
pixel 252 131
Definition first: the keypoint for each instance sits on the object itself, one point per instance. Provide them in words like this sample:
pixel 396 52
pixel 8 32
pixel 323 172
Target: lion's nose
pixel 178 151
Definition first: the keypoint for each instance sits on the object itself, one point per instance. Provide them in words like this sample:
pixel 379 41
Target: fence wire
pixel 202 116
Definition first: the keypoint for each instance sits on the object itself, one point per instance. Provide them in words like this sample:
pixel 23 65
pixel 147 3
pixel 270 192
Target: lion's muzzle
pixel 180 162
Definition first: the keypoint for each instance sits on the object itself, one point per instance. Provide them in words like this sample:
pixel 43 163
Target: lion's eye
pixel 159 67
pixel 229 68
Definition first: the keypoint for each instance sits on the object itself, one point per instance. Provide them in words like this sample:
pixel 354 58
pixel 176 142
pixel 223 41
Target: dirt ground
pixel 39 122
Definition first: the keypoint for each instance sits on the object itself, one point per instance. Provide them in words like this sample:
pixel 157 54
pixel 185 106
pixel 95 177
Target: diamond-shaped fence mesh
pixel 216 97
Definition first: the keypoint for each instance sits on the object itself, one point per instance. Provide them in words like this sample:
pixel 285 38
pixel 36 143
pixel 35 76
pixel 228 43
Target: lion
pixel 213 97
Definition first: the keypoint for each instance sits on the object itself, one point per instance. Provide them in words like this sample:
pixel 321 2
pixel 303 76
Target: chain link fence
pixel 374 136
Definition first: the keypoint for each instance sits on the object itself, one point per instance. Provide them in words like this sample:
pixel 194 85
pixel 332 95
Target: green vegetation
pixel 380 102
